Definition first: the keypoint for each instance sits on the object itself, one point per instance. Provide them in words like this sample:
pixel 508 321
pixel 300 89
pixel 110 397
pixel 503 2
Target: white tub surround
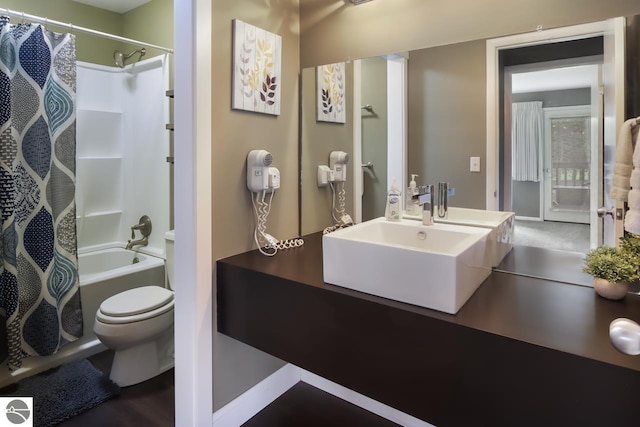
pixel 122 148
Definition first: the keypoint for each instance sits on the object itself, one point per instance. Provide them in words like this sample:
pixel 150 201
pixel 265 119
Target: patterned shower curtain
pixel 39 289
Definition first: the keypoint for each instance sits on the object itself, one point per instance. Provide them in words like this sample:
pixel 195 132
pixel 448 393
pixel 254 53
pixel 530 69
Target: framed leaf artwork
pixel 257 69
pixel 330 86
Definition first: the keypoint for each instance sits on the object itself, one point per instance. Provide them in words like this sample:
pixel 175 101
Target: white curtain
pixel 526 139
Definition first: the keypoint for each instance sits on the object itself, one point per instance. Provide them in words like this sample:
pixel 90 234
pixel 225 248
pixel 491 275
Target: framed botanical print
pixel 257 69
pixel 330 86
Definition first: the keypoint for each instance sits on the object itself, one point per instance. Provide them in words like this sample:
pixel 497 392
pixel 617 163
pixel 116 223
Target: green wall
pixel 88 48
pixel 152 23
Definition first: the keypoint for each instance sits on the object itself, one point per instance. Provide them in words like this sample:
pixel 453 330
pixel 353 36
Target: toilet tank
pixel 169 246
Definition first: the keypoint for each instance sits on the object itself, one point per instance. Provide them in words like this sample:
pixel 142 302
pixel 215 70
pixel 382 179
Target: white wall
pixel 122 145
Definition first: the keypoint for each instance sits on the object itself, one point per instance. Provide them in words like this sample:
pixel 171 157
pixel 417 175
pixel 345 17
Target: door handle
pixel 367 165
pixel 602 212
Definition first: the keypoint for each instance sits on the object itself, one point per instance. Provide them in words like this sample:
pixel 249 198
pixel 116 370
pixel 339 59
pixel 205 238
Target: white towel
pixel 632 217
pixel 635 135
pixel 632 222
pixel 634 200
pixel 624 161
pixel 635 179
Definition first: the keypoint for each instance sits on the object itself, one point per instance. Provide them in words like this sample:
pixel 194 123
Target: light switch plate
pixel 474 164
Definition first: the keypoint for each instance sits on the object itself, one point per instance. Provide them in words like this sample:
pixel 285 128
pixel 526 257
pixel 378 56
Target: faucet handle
pixel 144 225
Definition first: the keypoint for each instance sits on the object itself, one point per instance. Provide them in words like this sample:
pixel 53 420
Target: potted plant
pixel 630 243
pixel 614 268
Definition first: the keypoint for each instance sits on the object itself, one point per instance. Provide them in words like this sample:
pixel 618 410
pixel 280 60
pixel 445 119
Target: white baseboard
pixel 362 401
pixel 252 401
pixel 528 218
pixel 248 404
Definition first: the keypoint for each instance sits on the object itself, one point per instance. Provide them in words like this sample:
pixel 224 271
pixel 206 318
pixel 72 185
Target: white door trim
pixel 397 108
pixel 493 47
pixel 597 133
pixel 613 81
pixel 192 212
pixel 358 178
pixel 397 104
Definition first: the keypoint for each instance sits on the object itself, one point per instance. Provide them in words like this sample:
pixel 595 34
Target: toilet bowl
pixel 138 325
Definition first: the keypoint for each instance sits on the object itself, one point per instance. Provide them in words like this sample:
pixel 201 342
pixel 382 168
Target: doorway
pixel 554 125
pixel 612 33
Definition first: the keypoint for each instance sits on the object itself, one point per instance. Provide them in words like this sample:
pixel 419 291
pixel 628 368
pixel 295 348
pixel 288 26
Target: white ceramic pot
pixel 610 290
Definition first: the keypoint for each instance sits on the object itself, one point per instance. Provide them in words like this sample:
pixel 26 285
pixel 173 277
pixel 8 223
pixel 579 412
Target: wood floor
pixel 148 404
pixel 305 405
pixel 151 404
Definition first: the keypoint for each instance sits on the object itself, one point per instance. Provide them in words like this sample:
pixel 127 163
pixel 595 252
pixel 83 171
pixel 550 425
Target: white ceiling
pixel 119 6
pixel 554 79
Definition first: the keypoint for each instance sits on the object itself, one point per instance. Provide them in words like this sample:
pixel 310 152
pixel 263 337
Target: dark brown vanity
pixel 521 352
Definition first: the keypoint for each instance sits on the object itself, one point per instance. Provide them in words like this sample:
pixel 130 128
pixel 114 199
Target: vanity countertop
pixel 520 346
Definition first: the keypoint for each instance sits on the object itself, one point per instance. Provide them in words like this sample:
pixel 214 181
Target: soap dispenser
pixel 413 204
pixel 393 210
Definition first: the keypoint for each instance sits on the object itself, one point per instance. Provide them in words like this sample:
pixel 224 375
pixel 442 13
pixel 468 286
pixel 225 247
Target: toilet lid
pixel 136 301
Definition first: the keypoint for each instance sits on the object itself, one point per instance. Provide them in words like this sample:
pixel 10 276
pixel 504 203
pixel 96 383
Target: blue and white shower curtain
pixel 39 289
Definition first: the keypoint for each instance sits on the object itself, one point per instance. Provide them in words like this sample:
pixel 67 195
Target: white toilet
pixel 138 325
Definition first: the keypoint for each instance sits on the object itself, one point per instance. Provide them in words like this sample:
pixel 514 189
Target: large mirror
pixel 446 126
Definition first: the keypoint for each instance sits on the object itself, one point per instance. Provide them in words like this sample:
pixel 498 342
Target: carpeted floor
pixel 64 392
pixel 552 235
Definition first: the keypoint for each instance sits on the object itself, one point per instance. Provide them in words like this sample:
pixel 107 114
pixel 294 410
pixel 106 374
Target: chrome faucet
pixel 443 200
pixel 144 225
pixel 426 199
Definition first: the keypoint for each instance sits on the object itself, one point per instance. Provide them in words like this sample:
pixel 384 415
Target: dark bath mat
pixel 66 391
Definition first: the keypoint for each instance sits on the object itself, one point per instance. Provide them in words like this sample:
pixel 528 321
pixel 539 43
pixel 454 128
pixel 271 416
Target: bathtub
pixel 103 273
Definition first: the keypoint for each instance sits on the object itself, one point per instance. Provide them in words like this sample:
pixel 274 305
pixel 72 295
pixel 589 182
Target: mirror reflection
pixel 374 125
pixel 554 183
pixel 318 140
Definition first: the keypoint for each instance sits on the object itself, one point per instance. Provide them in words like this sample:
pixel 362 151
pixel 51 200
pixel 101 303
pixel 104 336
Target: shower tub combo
pixel 103 273
pixel 113 133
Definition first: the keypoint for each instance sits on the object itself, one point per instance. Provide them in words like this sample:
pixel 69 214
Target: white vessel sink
pixel 437 267
pixel 500 223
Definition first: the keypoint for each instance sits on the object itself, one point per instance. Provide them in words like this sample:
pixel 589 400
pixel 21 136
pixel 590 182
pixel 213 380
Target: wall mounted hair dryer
pixel 338 163
pixel 262 180
pixel 261 176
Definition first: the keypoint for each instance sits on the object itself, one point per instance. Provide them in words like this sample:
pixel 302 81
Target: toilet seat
pixel 136 305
